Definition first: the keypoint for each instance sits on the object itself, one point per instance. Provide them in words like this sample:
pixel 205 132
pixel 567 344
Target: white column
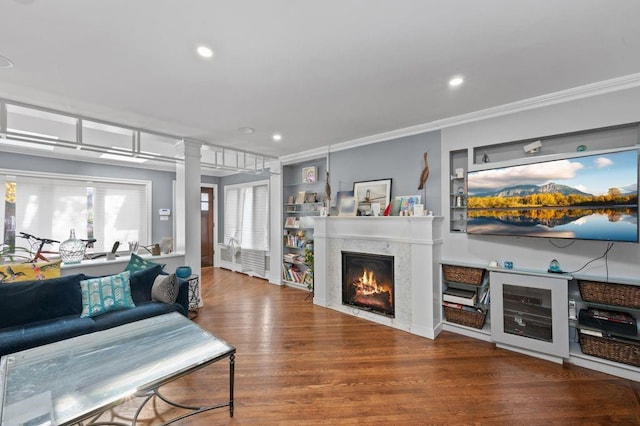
pixel 188 205
pixel 320 252
pixel 426 309
pixel 275 222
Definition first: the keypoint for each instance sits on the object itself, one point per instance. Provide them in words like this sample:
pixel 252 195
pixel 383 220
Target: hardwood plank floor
pixel 298 363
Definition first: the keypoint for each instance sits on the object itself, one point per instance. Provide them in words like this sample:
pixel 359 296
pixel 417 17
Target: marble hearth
pixel 414 242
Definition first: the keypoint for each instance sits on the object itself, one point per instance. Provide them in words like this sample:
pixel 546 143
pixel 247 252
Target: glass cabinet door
pixel 527 312
pixel 530 311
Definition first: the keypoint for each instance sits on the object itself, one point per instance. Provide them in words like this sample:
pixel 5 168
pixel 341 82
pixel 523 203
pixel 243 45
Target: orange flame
pixel 368 284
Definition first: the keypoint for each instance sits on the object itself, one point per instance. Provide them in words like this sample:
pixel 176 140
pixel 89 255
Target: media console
pixel 529 313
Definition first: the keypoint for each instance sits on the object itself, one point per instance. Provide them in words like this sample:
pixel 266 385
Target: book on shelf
pixel 463 297
pixel 300 197
pixel 596 333
pixel 485 298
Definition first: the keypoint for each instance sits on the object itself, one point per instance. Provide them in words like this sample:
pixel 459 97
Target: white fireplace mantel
pixel 414 242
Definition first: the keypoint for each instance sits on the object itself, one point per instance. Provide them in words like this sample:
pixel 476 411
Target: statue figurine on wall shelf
pixel 327 189
pixel 425 172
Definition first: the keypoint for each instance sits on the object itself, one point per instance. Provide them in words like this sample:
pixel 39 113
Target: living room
pixel 395 153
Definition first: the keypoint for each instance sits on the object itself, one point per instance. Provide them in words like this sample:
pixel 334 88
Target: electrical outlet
pixel 572 309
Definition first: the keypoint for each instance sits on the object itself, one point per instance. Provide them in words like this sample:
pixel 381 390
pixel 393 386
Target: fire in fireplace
pixel 367 282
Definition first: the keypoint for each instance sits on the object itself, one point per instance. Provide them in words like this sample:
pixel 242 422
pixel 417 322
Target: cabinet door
pixel 530 312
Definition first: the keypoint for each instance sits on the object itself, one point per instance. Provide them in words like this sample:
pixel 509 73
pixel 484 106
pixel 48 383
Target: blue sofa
pixel 34 313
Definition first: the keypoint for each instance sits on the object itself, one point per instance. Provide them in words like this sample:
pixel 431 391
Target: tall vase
pixel 72 250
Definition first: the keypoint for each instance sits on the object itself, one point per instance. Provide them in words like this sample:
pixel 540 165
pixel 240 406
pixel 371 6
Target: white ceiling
pixel 319 72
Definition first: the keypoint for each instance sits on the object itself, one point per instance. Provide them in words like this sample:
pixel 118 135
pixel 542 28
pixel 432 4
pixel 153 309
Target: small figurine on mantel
pixel 327 189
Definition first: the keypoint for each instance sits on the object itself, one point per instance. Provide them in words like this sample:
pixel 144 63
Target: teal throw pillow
pixel 104 294
pixel 137 263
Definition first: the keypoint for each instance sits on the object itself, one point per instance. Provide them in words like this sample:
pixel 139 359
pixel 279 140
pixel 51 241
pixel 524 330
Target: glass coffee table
pixel 66 382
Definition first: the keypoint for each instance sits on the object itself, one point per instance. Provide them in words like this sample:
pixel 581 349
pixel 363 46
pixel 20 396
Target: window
pixel 246 215
pixel 49 205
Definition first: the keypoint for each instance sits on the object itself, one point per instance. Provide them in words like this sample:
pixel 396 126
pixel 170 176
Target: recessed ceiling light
pixel 456 81
pixel 246 130
pixel 5 62
pixel 204 51
pixel 277 137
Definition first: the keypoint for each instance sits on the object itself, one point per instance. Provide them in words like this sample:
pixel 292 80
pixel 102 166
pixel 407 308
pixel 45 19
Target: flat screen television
pixel 589 197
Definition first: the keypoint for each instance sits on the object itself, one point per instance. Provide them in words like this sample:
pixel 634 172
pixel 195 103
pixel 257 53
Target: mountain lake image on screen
pixel 590 197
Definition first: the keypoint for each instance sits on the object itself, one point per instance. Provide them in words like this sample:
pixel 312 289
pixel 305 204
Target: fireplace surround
pixel 415 244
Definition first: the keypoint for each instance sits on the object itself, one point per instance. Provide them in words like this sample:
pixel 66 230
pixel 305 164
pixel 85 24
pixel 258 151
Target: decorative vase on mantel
pixel 72 250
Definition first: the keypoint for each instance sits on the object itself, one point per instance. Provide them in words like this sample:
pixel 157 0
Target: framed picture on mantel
pixel 373 191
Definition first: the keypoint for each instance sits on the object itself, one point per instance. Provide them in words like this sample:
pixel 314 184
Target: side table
pixel 194 294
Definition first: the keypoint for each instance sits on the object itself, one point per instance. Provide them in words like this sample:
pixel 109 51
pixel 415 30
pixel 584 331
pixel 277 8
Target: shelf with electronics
pixel 466 299
pixel 603 327
pixel 304 199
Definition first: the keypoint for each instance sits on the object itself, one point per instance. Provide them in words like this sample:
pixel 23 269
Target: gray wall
pixel 162 182
pixel 604 110
pixel 399 159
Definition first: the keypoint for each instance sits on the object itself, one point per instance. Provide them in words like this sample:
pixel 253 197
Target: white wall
pixel 593 112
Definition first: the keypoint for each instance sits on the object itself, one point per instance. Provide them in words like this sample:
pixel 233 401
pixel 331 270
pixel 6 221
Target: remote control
pixel 572 309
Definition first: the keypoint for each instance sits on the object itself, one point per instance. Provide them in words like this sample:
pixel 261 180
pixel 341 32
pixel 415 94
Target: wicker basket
pixel 463 274
pixel 626 352
pixel 469 318
pixel 627 296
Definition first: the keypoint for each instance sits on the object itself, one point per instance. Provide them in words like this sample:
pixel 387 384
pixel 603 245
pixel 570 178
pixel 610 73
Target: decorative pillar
pixel 187 208
pixel 275 209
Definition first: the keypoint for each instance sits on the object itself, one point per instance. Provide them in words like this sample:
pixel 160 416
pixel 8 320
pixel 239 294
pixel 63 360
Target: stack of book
pixel 292 273
pixel 457 298
pixel 292 258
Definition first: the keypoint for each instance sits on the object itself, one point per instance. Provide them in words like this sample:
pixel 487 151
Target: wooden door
pixel 206 232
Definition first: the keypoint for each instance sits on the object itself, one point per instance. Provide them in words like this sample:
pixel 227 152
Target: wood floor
pixel 300 364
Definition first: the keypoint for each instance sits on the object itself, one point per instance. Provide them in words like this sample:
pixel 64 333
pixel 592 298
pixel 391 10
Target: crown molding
pixel 589 90
pixel 311 154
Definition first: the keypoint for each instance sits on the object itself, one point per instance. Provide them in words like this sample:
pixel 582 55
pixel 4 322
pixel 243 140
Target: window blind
pixel 120 214
pixel 49 206
pixel 246 215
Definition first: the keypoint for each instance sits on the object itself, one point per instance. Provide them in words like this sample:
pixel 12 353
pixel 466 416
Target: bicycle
pixel 37 245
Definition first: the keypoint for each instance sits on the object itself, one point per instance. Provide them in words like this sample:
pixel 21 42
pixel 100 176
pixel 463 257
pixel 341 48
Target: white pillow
pixel 165 289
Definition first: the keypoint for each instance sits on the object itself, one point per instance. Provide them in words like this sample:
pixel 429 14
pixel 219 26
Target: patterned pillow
pixel 137 263
pixel 165 289
pixel 104 294
pixel 29 271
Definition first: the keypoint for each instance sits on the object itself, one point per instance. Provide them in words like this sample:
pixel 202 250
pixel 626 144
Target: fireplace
pixel 367 282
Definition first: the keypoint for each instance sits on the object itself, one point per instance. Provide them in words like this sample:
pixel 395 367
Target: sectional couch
pixel 34 313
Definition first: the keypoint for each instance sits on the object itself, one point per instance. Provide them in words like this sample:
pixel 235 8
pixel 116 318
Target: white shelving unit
pixel 302 202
